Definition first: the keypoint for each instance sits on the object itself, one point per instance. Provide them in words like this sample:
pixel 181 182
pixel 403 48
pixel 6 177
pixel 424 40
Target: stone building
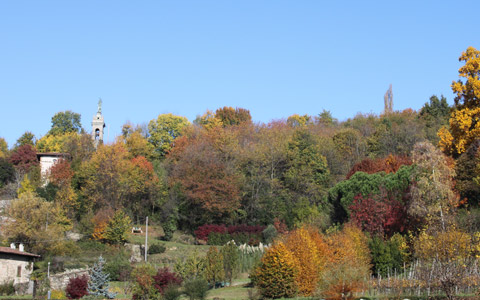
pixel 15 264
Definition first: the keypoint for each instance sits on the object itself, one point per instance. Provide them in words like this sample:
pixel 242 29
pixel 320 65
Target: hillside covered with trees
pixel 339 201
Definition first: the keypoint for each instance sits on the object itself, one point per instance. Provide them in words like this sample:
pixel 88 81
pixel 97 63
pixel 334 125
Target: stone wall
pixel 60 281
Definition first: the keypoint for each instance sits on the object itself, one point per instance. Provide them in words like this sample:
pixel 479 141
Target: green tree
pixel 117 228
pixel 164 130
pixel 7 172
pixel 214 272
pixel 435 114
pixel 230 261
pixel 27 138
pixel 65 122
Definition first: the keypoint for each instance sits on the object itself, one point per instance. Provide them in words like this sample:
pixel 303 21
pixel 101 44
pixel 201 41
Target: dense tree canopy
pixel 65 122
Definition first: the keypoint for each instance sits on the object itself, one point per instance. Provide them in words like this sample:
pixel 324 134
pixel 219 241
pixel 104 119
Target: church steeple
pixel 98 125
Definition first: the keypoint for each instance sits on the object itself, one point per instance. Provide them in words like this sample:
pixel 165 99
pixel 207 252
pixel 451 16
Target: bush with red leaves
pixel 203 231
pixel 77 287
pixel 164 278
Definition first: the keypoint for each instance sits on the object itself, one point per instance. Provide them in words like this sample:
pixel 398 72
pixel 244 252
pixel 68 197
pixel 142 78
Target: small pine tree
pixel 99 281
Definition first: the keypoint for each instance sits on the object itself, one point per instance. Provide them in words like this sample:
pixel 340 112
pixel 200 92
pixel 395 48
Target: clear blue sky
pixel 275 58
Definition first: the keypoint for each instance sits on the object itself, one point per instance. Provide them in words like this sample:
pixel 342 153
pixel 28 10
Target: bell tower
pixel 98 125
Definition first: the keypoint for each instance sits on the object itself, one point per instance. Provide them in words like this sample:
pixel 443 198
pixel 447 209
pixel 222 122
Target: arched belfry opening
pixel 98 125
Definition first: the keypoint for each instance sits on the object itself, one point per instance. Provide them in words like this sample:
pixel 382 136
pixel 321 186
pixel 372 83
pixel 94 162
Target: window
pixel 19 271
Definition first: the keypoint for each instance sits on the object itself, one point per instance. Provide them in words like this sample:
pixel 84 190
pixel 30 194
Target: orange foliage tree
pixel 348 266
pixel 310 253
pixel 389 164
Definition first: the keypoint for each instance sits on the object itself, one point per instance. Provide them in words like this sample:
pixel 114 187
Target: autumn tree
pixel 164 130
pixel 65 122
pixel 380 214
pixel 229 116
pixel 138 145
pixel 446 257
pixel 432 197
pixel 310 253
pixel 206 179
pixel 3 148
pixel 464 126
pixel 296 120
pixel 61 176
pixel 350 144
pixel 37 223
pixel 389 164
pixel 349 265
pixel 275 276
pixel 24 158
pixel 102 179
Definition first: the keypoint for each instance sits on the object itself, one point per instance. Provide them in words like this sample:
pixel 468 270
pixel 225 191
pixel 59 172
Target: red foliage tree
pixel 61 173
pixel 389 164
pixel 77 287
pixel 24 157
pixel 165 278
pixel 207 177
pixel 381 214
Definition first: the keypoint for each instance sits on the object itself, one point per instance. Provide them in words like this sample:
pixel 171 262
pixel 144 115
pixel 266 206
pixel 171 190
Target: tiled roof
pixel 9 250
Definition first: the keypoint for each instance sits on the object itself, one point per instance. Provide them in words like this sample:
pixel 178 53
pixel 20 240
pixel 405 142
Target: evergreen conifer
pixel 99 281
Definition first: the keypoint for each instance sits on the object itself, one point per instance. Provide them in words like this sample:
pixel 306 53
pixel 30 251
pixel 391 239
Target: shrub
pixel 58 294
pixel 119 268
pixel 269 234
pixel 164 278
pixel 204 231
pixel 156 249
pixel 143 284
pixel 216 238
pixel 7 288
pixel 169 227
pixel 77 287
pixel 196 289
pixel 171 292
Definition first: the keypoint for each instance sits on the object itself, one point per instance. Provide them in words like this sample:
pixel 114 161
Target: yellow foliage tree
pixel 39 224
pixel 445 254
pixel 275 276
pixel 464 120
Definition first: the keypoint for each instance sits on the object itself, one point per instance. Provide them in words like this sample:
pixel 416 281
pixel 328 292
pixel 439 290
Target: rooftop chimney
pixel 12 245
pixel 20 247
